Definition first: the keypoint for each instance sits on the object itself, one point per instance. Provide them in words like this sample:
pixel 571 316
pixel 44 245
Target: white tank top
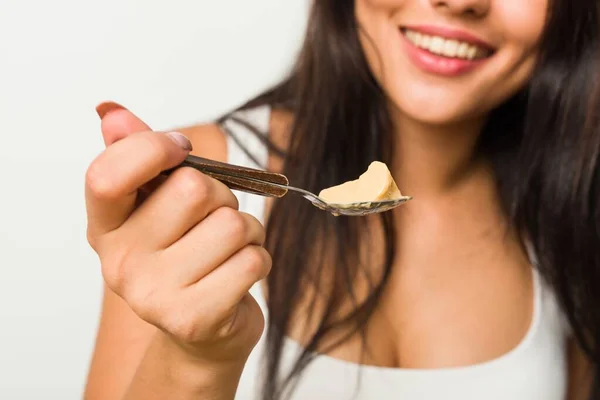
pixel 536 369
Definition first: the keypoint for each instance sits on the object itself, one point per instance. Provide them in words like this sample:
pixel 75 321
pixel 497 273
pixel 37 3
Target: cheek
pixel 521 21
pixel 522 24
pixel 376 30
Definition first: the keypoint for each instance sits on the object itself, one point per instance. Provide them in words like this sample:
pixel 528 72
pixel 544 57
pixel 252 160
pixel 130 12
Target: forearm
pixel 167 372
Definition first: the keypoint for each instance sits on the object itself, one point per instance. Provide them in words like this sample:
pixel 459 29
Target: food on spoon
pixel 376 184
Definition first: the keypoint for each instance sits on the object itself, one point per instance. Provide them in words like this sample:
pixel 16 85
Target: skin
pixel 437 280
pixel 207 323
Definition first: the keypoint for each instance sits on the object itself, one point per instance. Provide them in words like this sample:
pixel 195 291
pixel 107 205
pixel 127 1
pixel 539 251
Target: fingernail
pixel 104 108
pixel 181 140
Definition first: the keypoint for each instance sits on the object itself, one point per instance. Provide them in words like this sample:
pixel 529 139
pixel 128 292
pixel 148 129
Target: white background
pixel 173 63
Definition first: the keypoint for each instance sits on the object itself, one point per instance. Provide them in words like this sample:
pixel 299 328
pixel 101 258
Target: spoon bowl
pixel 356 209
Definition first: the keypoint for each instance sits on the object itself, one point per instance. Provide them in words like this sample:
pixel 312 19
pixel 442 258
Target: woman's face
pixel 444 61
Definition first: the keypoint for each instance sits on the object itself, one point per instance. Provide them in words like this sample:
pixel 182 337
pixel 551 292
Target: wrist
pixel 193 361
pixel 188 374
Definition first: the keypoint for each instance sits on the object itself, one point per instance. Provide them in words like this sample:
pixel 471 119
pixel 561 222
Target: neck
pixel 433 160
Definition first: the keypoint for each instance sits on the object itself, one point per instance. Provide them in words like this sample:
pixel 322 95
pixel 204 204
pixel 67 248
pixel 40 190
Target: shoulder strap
pixel 247 132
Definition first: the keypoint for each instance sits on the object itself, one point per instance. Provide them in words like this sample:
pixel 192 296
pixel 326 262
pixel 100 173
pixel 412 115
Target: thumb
pixel 118 122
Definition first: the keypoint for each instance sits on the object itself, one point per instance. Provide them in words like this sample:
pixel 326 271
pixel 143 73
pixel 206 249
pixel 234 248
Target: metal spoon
pixel 349 209
pixel 271 184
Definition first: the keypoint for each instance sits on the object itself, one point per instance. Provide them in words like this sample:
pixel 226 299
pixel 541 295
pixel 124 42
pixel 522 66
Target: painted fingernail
pixel 181 140
pixel 104 108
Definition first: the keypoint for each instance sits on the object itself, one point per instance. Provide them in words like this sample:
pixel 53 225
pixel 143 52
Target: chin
pixel 436 107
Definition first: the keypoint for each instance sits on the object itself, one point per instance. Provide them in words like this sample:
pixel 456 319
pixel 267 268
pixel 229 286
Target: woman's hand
pixel 177 250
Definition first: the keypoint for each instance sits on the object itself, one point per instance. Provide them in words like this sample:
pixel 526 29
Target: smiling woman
pixel 484 286
pixel 416 53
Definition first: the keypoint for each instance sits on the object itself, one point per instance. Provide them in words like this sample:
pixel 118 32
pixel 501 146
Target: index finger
pixel 114 177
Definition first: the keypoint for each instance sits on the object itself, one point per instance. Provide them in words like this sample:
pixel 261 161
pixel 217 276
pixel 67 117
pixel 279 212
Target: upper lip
pixel 450 33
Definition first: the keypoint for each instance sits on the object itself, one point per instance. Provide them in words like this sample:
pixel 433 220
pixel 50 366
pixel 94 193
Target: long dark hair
pixel 544 144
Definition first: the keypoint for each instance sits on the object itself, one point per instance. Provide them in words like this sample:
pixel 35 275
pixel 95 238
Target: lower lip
pixel 439 65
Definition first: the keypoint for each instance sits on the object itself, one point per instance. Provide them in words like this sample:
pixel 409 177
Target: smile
pixel 445 52
pixel 447 47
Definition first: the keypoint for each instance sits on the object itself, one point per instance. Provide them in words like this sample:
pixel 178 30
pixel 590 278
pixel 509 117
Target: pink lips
pixel 440 65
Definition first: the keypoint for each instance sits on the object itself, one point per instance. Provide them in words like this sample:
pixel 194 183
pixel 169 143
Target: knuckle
pixel 95 240
pixel 234 221
pixel 115 269
pixel 92 239
pixel 193 185
pixel 114 278
pixel 99 182
pixel 227 196
pixel 235 203
pixel 180 325
pixel 259 232
pixel 256 262
pixel 141 299
pixel 267 264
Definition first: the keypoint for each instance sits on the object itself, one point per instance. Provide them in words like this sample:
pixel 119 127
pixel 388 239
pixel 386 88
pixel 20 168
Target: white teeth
pixel 437 45
pixel 450 48
pixel 462 51
pixel 445 47
pixel 426 41
pixel 472 52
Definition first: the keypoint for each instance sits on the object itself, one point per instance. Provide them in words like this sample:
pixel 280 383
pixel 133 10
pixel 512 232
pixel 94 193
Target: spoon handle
pixel 236 177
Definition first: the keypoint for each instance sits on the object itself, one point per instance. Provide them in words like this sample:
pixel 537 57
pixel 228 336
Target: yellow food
pixel 376 184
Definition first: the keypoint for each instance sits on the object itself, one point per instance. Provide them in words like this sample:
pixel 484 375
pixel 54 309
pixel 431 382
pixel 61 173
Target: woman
pixel 484 286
